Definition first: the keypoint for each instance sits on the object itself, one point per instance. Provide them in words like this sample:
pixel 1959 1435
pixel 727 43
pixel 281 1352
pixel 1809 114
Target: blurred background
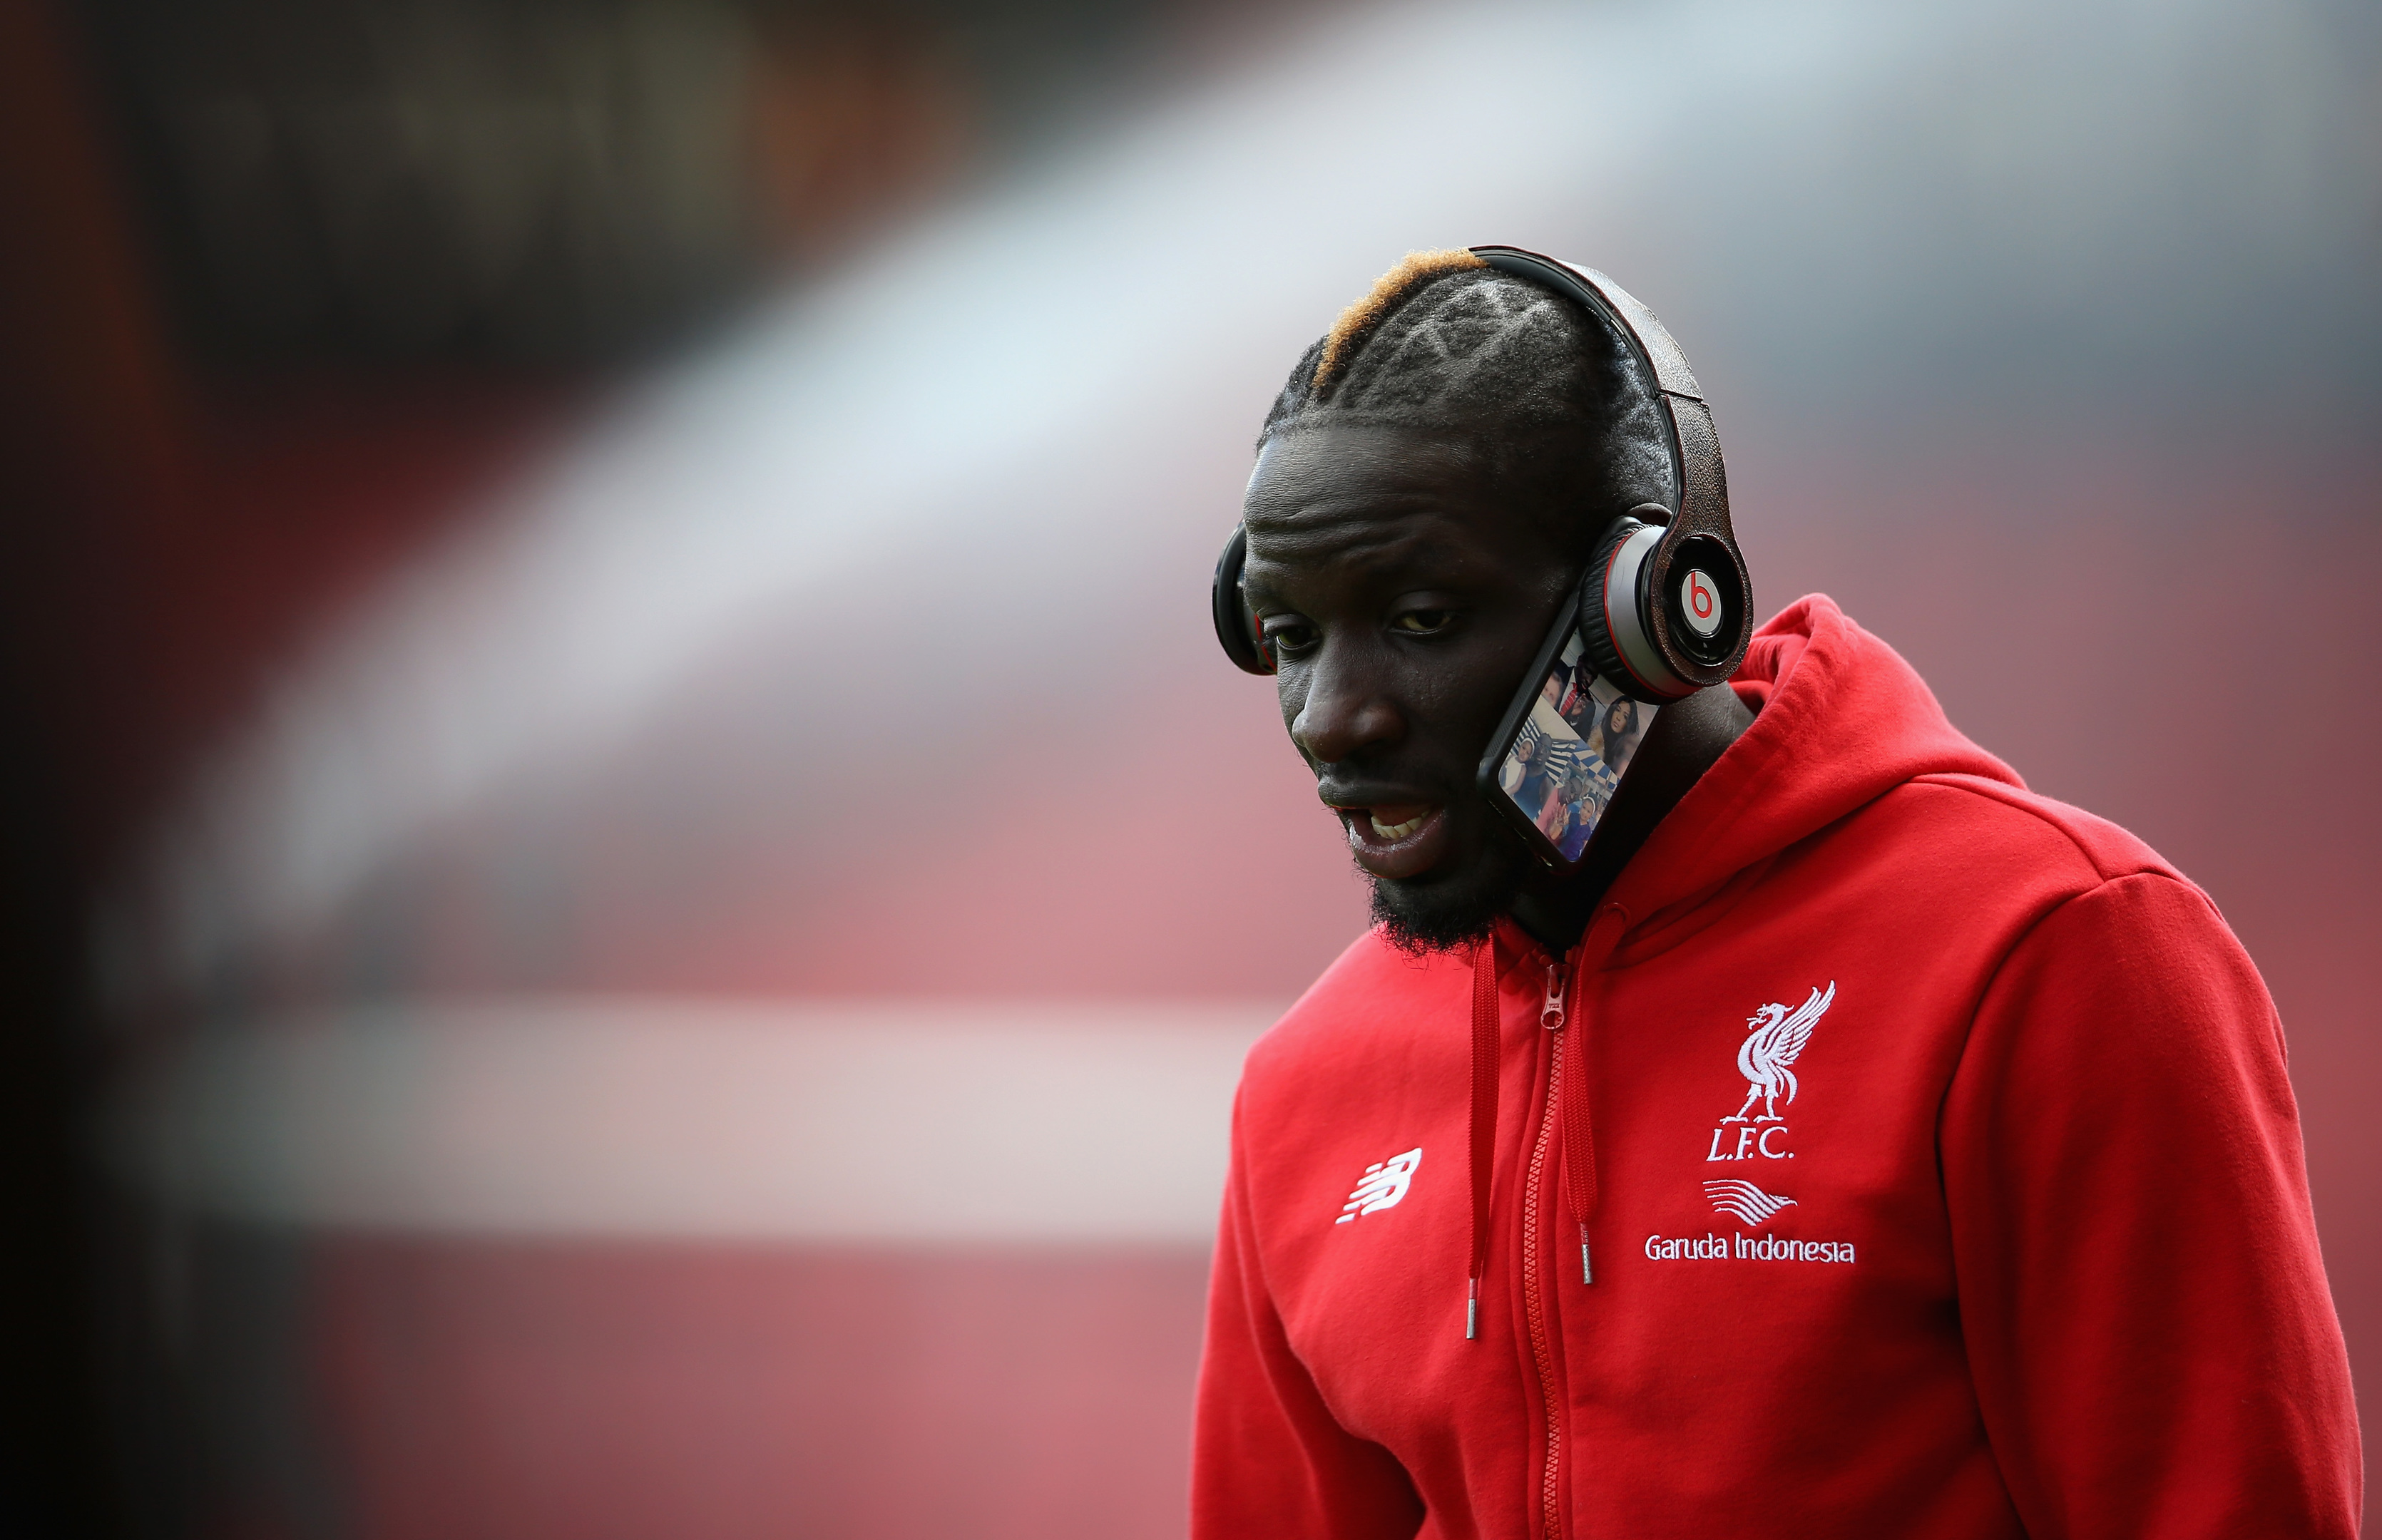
pixel 632 885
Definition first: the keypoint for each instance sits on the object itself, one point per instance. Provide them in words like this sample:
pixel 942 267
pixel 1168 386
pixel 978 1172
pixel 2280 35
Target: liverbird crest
pixel 1773 1040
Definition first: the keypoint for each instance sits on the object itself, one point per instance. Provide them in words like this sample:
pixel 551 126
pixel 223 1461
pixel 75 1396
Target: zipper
pixel 1534 1301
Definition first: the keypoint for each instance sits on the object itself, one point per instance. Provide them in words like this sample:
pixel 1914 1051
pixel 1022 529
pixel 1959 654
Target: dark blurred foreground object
pixel 276 281
pixel 86 437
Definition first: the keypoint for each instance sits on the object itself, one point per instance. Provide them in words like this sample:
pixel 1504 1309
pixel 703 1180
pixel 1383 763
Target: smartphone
pixel 1559 755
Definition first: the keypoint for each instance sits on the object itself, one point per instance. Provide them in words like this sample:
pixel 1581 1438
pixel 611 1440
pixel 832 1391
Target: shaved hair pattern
pixel 1543 389
pixel 1359 321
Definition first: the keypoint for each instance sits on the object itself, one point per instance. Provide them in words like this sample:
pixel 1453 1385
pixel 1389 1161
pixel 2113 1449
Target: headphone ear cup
pixel 1238 631
pixel 1595 636
pixel 1612 619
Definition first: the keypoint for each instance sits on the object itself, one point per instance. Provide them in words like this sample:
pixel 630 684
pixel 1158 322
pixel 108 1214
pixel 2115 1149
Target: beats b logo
pixel 1699 603
pixel 1707 609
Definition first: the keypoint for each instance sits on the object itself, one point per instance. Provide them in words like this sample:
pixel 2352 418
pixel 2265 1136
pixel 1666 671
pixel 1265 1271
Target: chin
pixel 1438 912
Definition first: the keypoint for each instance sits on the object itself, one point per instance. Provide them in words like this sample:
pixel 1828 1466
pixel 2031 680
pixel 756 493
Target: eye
pixel 1421 622
pixel 1288 633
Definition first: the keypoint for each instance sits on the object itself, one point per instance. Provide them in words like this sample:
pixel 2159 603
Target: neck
pixel 1686 740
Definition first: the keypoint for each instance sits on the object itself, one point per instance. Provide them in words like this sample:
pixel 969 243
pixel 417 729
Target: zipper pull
pixel 1551 1015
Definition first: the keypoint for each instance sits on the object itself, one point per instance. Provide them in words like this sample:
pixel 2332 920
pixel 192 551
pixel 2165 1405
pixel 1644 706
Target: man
pixel 1872 1147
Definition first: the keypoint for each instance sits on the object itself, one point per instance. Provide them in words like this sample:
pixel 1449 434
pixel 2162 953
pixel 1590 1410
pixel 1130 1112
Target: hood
pixel 1840 720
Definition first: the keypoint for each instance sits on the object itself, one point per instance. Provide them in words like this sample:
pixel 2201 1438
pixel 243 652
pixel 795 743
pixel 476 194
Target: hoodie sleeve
pixel 1268 1458
pixel 2153 1341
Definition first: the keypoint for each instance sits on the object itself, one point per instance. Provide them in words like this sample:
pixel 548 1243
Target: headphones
pixel 1666 605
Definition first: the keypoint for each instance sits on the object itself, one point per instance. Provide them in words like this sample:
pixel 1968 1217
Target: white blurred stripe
pixel 677 1117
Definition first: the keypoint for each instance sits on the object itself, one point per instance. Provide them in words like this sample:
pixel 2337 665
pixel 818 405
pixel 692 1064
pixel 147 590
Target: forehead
pixel 1349 494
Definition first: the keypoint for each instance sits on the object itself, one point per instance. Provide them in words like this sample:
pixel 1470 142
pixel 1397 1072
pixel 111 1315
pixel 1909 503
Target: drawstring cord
pixel 1484 1119
pixel 1571 1101
pixel 1572 1104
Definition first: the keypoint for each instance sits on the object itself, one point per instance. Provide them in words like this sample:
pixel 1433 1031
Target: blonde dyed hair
pixel 1359 320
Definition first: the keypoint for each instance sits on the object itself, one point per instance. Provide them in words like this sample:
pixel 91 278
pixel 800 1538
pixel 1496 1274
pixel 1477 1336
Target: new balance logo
pixel 1384 1184
pixel 1746 1201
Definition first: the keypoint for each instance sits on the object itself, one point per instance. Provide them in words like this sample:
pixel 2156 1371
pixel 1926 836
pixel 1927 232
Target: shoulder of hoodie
pixel 1947 794
pixel 2102 876
pixel 2071 852
pixel 1374 1008
pixel 2028 857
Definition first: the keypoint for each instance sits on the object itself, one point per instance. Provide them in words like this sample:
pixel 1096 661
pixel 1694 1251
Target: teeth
pixel 1396 831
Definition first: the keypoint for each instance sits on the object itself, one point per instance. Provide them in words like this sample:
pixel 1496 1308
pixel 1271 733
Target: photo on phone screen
pixel 1568 751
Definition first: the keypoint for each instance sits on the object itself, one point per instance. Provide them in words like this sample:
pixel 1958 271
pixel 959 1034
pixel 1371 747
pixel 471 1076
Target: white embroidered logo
pixel 1775 1039
pixel 1384 1184
pixel 1746 1201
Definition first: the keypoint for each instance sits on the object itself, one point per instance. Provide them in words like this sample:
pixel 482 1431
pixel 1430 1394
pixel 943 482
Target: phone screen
pixel 1562 751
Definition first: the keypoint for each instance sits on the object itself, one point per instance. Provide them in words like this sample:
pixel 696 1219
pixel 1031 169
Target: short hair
pixel 1545 390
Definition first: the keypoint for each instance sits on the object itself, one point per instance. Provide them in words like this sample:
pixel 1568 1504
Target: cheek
pixel 1462 702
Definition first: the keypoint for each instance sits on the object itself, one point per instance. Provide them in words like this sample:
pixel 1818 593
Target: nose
pixel 1345 710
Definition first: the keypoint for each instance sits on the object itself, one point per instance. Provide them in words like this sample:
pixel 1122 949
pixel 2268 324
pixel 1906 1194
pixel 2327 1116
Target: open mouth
pixel 1396 839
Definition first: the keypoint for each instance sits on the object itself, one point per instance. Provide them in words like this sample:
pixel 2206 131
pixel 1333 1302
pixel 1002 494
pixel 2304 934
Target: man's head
pixel 1429 486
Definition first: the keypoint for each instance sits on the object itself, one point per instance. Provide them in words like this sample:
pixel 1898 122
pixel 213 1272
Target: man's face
pixel 1402 600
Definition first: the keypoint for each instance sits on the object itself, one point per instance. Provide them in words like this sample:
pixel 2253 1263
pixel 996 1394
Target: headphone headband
pixel 1641 331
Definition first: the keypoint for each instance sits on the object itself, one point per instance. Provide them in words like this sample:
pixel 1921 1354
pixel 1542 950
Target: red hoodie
pixel 1947 1182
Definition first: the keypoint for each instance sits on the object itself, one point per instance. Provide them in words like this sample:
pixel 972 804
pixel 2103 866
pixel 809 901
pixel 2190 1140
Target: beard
pixel 1443 913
